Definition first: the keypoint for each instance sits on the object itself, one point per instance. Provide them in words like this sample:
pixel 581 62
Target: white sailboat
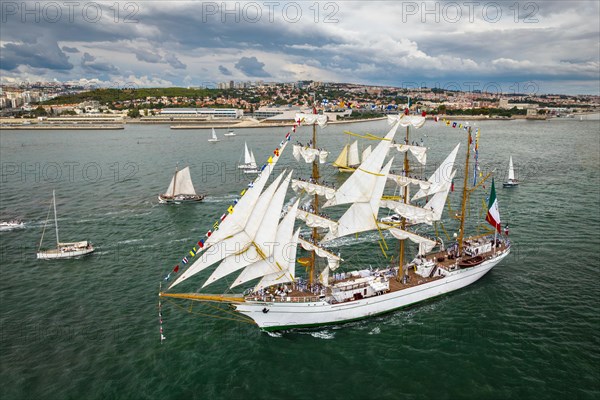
pixel 349 157
pixel 181 189
pixel 253 242
pixel 230 133
pixel 249 165
pixel 64 249
pixel 214 137
pixel 511 181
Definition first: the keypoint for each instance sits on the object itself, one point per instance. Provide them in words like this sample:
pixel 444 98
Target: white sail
pixel 437 202
pixel 359 186
pixel 237 220
pixel 253 160
pixel 419 152
pixel 247 159
pixel 183 183
pixel 312 188
pixel 362 216
pixel 311 119
pixel 353 157
pixel 214 134
pixel 511 171
pixel 259 239
pixel 366 152
pixel 309 154
pixel 440 177
pixel 238 229
pixel 278 260
pixel 414 214
pixel 286 276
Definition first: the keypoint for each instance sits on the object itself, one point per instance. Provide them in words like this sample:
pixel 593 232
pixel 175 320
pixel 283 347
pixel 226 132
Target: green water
pixel 88 328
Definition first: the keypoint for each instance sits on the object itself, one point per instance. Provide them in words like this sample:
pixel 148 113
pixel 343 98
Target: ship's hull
pixel 57 253
pixel 510 184
pixel 178 199
pixel 271 316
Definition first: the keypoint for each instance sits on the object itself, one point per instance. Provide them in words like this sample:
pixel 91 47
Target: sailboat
pixel 214 137
pixel 230 133
pixel 349 157
pixel 249 166
pixel 511 181
pixel 181 189
pixel 62 250
pixel 253 242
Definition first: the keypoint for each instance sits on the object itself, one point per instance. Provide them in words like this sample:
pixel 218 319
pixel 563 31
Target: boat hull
pixel 56 253
pixel 510 184
pixel 271 316
pixel 178 200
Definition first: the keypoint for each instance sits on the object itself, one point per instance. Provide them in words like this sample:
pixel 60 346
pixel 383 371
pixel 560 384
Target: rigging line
pixel 44 230
pixel 444 229
pixel 208 315
pixel 367 136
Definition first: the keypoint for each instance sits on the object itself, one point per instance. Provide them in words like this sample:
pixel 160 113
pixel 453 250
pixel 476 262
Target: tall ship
pixel 181 189
pixel 285 280
pixel 62 249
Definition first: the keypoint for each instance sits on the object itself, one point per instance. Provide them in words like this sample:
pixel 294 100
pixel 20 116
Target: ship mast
pixel 55 220
pixel 465 196
pixel 403 221
pixel 175 180
pixel 315 176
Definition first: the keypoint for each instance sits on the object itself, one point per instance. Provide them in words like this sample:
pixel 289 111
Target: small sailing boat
pixel 181 189
pixel 349 157
pixel 214 137
pixel 511 181
pixel 229 133
pixel 62 250
pixel 253 241
pixel 249 166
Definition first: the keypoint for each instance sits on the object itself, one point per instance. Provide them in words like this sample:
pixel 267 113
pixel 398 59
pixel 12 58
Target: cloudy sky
pixel 530 46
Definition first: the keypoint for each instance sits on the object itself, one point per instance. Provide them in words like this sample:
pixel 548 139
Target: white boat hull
pixel 56 253
pixel 286 315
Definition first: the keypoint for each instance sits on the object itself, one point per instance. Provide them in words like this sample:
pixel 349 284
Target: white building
pixel 205 112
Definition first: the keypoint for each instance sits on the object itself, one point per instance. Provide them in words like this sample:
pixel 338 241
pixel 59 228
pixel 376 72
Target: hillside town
pixel 279 101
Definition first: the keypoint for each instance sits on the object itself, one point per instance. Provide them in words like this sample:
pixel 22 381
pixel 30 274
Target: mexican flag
pixel 493 214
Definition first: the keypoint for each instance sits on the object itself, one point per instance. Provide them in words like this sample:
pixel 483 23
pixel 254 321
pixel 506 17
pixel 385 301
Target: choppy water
pixel 87 328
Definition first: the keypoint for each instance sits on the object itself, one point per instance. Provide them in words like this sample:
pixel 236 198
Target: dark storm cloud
pixel 147 56
pixel 68 49
pixel 90 65
pixel 42 54
pixel 224 70
pixel 251 67
pixel 174 62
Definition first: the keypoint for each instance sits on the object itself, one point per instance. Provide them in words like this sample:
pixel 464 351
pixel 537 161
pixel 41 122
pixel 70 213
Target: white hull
pixel 213 140
pixel 56 253
pixel 287 315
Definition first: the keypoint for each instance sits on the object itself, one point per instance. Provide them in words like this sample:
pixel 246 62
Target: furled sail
pixel 333 261
pixel 312 188
pixel 419 152
pixel 183 183
pixel 258 242
pixel 359 186
pixel 415 121
pixel 425 244
pixel 440 177
pixel 316 221
pixel 311 119
pixel 309 154
pixel 404 180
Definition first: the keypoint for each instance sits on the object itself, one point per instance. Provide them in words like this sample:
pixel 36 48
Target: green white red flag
pixel 493 214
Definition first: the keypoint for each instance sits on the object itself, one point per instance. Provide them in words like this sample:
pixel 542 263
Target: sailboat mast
pixel 403 221
pixel 55 220
pixel 315 177
pixel 465 196
pixel 175 180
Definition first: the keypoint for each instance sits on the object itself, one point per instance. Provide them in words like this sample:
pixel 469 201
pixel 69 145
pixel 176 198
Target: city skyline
pixel 518 47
